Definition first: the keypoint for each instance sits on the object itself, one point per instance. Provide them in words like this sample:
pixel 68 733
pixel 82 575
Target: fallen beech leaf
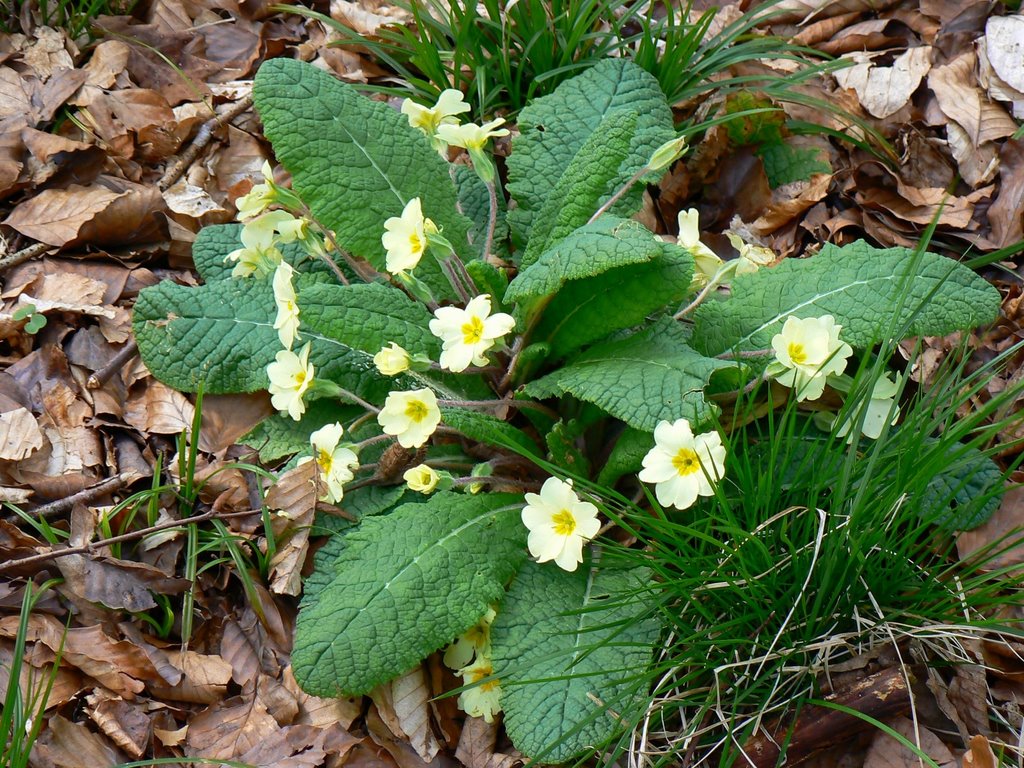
pixel 886 752
pixel 14 100
pixel 999 542
pixel 19 435
pixel 321 712
pixel 47 53
pixel 230 728
pixel 404 706
pixel 1006 214
pixel 227 417
pixel 194 202
pixel 108 63
pixel 117 583
pixel 1004 44
pixel 126 724
pixel 884 90
pixel 55 216
pixel 293 500
pixel 300 746
pixel 365 22
pixel 63 744
pixel 38 666
pixel 159 409
pixel 980 754
pixel 205 678
pixel 962 101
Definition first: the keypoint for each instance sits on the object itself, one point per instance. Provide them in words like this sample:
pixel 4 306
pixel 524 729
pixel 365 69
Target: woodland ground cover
pixel 482 348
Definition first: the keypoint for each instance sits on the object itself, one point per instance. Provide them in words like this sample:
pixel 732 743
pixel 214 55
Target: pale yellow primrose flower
pixel 410 416
pixel 258 254
pixel 476 641
pixel 428 119
pixel 391 360
pixel 405 237
pixel 483 699
pixel 288 228
pixel 752 257
pixel 807 352
pixel 287 322
pixel 421 478
pixel 879 406
pixel 667 154
pixel 559 524
pixel 256 200
pixel 683 465
pixel 466 334
pixel 471 136
pixel 290 376
pixel 336 462
pixel 706 262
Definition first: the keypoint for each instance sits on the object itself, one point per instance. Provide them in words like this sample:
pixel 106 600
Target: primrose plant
pixel 453 356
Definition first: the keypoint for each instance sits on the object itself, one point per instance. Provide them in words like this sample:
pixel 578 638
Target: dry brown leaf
pixel 108 65
pixel 205 678
pixel 159 409
pixel 883 91
pixel 194 202
pixel 227 417
pixel 476 744
pixel 121 584
pixel 321 712
pixel 886 752
pixel 1004 45
pixel 805 10
pixel 999 541
pixel 962 100
pixel 63 744
pixel 404 706
pixel 229 729
pixel 1006 214
pixel 980 754
pixel 365 22
pixel 126 724
pixel 47 53
pixel 300 746
pixel 56 216
pixel 66 685
pixel 14 100
pixel 20 435
pixel 292 499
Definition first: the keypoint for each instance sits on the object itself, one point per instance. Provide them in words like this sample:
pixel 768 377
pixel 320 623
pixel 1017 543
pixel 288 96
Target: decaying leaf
pixel 404 705
pixel 886 752
pixel 19 435
pixel 884 90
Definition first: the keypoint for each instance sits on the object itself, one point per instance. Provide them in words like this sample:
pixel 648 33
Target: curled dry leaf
pixel 228 729
pixel 404 706
pixel 121 584
pixel 63 744
pixel 980 754
pixel 886 752
pixel 125 724
pixel 19 435
pixel 883 91
pixel 204 678
pixel 158 409
pixel 1004 45
pixel 293 500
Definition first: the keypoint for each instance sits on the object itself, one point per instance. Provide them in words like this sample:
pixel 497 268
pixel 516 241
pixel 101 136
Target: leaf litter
pixel 113 154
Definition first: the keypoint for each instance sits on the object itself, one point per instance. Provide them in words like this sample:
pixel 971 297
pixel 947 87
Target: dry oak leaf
pixel 884 90
pixel 19 435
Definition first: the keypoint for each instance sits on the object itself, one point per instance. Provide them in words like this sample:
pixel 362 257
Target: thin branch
pixel 203 137
pixel 88 548
pixel 126 353
pixel 84 496
pixel 20 257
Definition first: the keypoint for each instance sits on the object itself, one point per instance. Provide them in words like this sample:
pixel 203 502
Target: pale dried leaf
pixel 980 754
pixel 205 678
pixel 230 728
pixel 404 706
pixel 476 744
pixel 192 201
pixel 1004 44
pixel 63 744
pixel 121 584
pixel 962 100
pixel 977 165
pixel 108 62
pixel 321 712
pixel 883 91
pixel 293 502
pixel 127 725
pixel 20 435
pixel 56 216
pixel 886 752
pixel 66 686
pixel 365 22
pixel 159 409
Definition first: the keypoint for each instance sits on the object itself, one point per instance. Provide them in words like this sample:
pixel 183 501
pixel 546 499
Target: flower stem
pixel 504 403
pixel 618 195
pixel 744 354
pixel 492 221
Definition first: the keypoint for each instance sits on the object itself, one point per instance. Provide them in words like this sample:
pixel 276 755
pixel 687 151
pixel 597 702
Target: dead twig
pixel 126 353
pixel 20 257
pixel 88 548
pixel 60 506
pixel 203 137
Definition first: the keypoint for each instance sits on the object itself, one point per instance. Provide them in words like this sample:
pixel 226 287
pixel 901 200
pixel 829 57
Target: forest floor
pixel 115 151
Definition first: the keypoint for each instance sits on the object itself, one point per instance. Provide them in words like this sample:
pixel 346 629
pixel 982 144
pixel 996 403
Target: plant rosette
pixel 497 406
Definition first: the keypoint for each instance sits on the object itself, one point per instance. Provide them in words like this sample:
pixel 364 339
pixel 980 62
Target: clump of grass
pixel 74 16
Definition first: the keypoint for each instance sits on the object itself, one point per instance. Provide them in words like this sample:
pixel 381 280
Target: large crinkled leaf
pixel 570 650
pixel 857 284
pixel 590 178
pixel 651 376
pixel 966 493
pixel 220 334
pixel 588 310
pixel 279 435
pixel 592 249
pixel 554 128
pixel 354 161
pixel 403 586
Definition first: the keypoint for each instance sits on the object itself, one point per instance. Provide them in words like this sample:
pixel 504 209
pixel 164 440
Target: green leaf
pixel 221 334
pixel 627 456
pixel 475 203
pixel 591 250
pixel 588 310
pixel 592 177
pixel 354 161
pixel 215 242
pixel 279 435
pixel 858 285
pixel 562 450
pixel 554 128
pixel 563 644
pixel 784 163
pixel 403 586
pixel 485 428
pixel 966 493
pixel 642 379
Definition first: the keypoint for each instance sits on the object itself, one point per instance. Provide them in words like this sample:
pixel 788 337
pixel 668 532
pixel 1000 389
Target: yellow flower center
pixel 416 410
pixel 797 353
pixel 324 459
pixel 415 243
pixel 686 462
pixel 473 331
pixel 564 522
pixel 299 378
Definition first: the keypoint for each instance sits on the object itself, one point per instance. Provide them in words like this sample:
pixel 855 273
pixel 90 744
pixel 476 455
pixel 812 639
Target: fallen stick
pixel 203 137
pixel 126 353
